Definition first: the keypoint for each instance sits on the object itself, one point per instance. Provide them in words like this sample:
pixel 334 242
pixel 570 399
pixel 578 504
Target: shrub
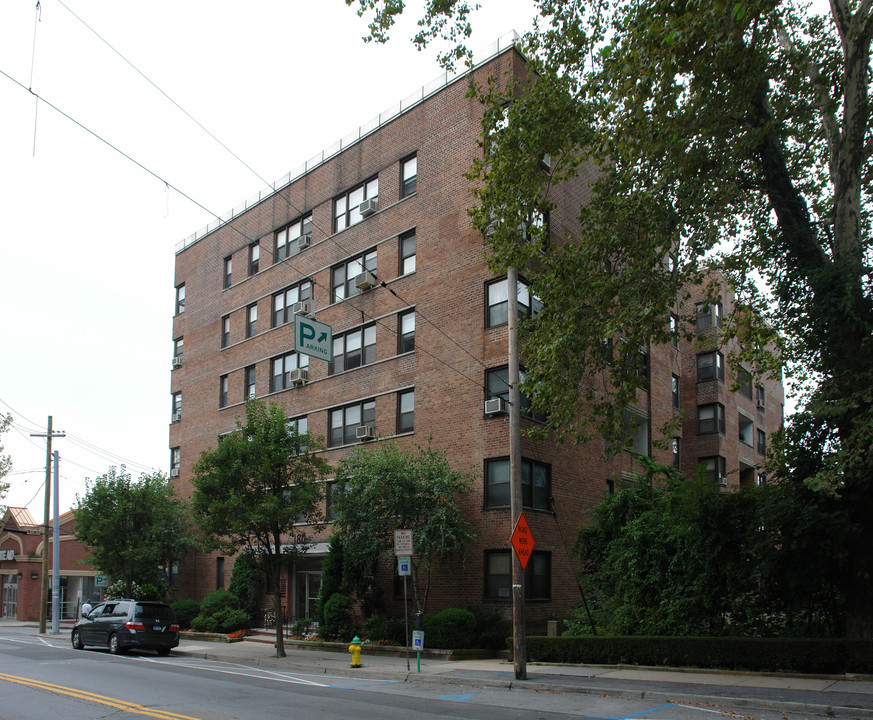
pixel 230 619
pixel 338 618
pixel 219 600
pixel 305 628
pixel 148 592
pixel 492 627
pixel 245 583
pixel 450 629
pixel 185 611
pixel 204 623
pixel 380 628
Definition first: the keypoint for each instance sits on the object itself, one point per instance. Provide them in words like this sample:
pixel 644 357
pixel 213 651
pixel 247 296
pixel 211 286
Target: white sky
pixel 87 237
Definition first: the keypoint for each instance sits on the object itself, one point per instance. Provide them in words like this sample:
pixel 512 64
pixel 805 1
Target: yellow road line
pixel 93 697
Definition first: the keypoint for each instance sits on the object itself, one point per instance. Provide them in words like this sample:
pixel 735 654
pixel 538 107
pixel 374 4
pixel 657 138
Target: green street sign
pixel 101 581
pixel 313 338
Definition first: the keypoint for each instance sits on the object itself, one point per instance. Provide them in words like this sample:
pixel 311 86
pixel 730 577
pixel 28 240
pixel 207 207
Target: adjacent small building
pixel 21 564
pixel 372 237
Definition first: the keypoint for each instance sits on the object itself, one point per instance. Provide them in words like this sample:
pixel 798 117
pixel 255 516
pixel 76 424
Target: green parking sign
pixel 313 338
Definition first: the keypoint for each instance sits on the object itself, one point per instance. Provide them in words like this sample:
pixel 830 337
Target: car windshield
pixel 154 612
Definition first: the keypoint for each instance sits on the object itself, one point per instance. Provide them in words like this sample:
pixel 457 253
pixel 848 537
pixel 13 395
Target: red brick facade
pixel 453 347
pixel 21 545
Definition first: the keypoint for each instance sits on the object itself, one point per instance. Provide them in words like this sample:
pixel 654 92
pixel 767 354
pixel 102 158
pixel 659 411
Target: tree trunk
pixel 275 571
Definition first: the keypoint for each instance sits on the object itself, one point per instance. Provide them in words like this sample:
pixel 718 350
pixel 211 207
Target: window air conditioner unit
pixel 177 361
pixel 365 432
pixel 761 407
pixel 722 481
pixel 174 472
pixel 365 281
pixel 368 207
pixel 300 308
pixel 304 241
pixel 495 406
pixel 176 417
pixel 298 376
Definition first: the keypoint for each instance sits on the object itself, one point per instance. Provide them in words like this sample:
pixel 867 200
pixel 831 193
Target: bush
pixel 380 628
pixel 230 619
pixel 219 600
pixel 492 627
pixel 148 592
pixel 204 624
pixel 185 611
pixel 338 618
pixel 245 583
pixel 305 628
pixel 450 629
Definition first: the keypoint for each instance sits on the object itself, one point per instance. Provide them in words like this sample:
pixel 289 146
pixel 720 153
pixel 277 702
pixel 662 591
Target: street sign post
pixel 313 338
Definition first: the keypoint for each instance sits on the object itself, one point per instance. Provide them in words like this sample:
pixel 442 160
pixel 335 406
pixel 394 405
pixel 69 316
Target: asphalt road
pixel 42 677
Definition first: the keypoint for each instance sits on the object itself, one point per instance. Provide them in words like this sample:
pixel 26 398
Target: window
pixel 746 429
pixel 760 399
pixel 762 442
pixel 637 429
pixel 498 302
pixel 744 382
pixel 674 389
pixel 407 253
pixel 251 321
pixel 283 302
pixel 180 299
pixel 299 425
pixel 343 276
pixel 254 258
pixel 225 331
pixel 406 411
pixel 710 366
pixel 249 388
pixel 222 391
pixel 677 453
pixel 347 208
pixel 674 330
pixel 353 349
pixel 406 332
pixel 535 484
pixel 219 573
pixel 228 271
pixel 332 492
pixel 178 347
pixel 497 386
pixel 177 407
pixel 287 242
pixel 708 315
pixel 710 419
pixel 345 421
pixel 714 469
pixel 175 461
pixel 408 176
pixel 498 575
pixel 636 365
pixel 280 378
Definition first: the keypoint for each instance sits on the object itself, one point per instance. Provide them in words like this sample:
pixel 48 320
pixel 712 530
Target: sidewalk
pixel 837 696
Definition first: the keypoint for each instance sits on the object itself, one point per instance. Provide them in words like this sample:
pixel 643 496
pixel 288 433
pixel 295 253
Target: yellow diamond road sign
pixel 313 338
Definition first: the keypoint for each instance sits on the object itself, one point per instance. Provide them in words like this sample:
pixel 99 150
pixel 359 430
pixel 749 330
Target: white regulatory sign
pixel 403 542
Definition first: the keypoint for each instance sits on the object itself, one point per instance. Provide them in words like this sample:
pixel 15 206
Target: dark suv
pixel 123 624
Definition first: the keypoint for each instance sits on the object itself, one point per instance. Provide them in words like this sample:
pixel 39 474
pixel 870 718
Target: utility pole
pixel 43 601
pixel 56 551
pixel 519 641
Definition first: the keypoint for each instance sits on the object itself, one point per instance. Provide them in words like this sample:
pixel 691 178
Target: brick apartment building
pixel 373 238
pixel 21 549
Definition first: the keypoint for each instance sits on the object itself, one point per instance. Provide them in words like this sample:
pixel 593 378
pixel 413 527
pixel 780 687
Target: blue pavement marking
pixel 627 717
pixel 347 686
pixel 459 698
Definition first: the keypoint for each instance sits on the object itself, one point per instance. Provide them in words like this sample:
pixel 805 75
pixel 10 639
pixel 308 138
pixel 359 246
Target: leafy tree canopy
pixel 386 488
pixel 5 460
pixel 735 135
pixel 133 529
pixel 251 490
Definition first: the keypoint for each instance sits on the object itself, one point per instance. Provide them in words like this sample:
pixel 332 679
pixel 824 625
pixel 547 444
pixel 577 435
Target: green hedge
pixel 804 655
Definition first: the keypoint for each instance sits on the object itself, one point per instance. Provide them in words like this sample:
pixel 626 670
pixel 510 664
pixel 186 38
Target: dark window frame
pixel 223 389
pixel 534 497
pixel 228 272
pixel 180 299
pixel 497 313
pixel 342 275
pixel 249 382
pixel 283 316
pixel 364 354
pixel 717 366
pixel 406 252
pixel 286 243
pixel 675 393
pixel 537 576
pixel 254 258
pixel 289 361
pixel 251 323
pixel 345 433
pixel 405 420
pixel 408 182
pixel 713 425
pixel 346 206
pixel 405 340
pixel 225 331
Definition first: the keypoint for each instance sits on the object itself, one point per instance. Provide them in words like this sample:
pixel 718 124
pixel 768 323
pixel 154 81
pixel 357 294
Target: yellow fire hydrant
pixel 355 650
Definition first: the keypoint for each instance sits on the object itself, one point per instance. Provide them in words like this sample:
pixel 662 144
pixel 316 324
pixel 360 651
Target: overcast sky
pixel 88 235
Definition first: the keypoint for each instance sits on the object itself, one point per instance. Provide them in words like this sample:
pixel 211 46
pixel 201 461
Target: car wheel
pixel 163 652
pixel 114 647
pixel 77 641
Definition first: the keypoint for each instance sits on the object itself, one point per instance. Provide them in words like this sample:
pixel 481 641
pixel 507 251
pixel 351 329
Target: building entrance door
pixel 10 596
pixel 307 585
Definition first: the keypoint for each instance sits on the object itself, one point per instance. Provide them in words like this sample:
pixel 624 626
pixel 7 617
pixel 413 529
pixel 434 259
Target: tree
pixel 387 489
pixel 251 490
pixel 133 530
pixel 5 460
pixel 735 135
